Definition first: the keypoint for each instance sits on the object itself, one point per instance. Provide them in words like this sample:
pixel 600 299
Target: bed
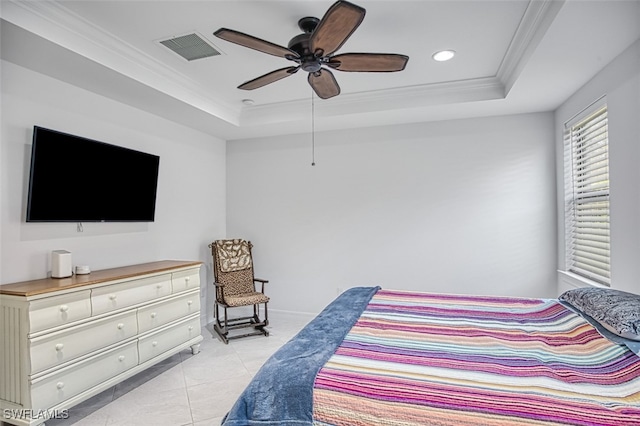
pixel 386 357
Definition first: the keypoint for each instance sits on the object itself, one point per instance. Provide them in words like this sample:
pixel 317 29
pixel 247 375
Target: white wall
pixel 619 81
pixel 190 210
pixel 465 206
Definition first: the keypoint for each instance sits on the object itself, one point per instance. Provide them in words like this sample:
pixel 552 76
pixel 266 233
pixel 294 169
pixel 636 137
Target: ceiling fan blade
pixel 324 83
pixel 255 43
pixel 270 77
pixel 369 62
pixel 335 27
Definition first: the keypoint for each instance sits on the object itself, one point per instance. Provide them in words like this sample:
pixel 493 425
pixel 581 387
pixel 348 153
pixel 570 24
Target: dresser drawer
pixel 155 344
pixel 70 381
pixel 118 296
pixel 55 348
pixel 185 280
pixel 161 313
pixel 59 310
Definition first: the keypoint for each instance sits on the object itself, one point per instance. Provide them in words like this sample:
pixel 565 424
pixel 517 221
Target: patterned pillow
pixel 234 255
pixel 617 311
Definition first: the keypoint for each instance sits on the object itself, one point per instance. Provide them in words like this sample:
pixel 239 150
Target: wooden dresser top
pixel 49 285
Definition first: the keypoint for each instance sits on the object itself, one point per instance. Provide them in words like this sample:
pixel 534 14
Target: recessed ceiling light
pixel 443 55
pixel 248 102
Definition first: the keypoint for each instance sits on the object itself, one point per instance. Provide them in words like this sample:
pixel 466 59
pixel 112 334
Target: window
pixel 586 148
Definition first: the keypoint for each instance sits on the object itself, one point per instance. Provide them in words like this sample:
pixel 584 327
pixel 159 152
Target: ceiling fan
pixel 314 49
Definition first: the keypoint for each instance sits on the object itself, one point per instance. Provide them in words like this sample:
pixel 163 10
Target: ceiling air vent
pixel 190 46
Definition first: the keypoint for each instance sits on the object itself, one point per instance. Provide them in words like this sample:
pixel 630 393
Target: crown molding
pixel 58 24
pixel 471 90
pixel 535 22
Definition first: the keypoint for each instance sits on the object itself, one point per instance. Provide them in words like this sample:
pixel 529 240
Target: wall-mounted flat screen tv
pixel 75 179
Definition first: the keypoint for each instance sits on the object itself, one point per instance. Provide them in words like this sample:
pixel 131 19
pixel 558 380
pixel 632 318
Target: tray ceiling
pixel 512 56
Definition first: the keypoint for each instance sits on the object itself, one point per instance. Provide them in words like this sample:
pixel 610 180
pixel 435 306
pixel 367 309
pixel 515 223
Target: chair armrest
pixel 260 280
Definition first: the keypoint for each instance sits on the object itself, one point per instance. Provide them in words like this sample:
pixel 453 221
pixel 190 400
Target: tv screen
pixel 74 179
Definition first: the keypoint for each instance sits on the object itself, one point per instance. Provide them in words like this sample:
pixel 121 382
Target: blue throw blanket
pixel 281 393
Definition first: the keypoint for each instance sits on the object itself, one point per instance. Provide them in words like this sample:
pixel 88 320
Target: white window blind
pixel 587 197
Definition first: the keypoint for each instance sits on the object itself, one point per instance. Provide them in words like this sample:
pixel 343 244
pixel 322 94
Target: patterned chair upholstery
pixel 235 286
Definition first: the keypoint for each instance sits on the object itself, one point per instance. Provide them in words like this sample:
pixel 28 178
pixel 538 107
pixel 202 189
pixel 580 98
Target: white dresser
pixel 65 340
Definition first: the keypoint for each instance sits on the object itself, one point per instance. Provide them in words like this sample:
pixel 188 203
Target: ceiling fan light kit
pixel 314 49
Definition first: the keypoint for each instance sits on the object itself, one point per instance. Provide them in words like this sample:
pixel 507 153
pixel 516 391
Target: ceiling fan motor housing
pixel 308 61
pixel 300 44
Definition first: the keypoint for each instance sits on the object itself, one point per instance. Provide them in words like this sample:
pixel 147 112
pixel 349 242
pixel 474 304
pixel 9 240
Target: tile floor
pixel 187 389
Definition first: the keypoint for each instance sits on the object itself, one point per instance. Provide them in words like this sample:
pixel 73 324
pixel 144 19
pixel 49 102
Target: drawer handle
pixel 59 347
pixel 154 343
pixel 190 302
pixel 60 385
pixel 158 286
pixel 121 358
pixel 187 279
pixel 120 326
pixel 64 308
pixel 112 297
pixel 153 314
pixel 190 327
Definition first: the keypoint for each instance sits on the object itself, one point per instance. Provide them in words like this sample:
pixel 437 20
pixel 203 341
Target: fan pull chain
pixel 313 132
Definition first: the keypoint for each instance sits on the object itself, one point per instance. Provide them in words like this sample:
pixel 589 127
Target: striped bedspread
pixel 430 359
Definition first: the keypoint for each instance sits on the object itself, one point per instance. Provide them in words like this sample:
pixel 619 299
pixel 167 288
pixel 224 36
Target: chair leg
pixel 266 315
pixel 221 329
pixel 256 318
pixel 256 313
